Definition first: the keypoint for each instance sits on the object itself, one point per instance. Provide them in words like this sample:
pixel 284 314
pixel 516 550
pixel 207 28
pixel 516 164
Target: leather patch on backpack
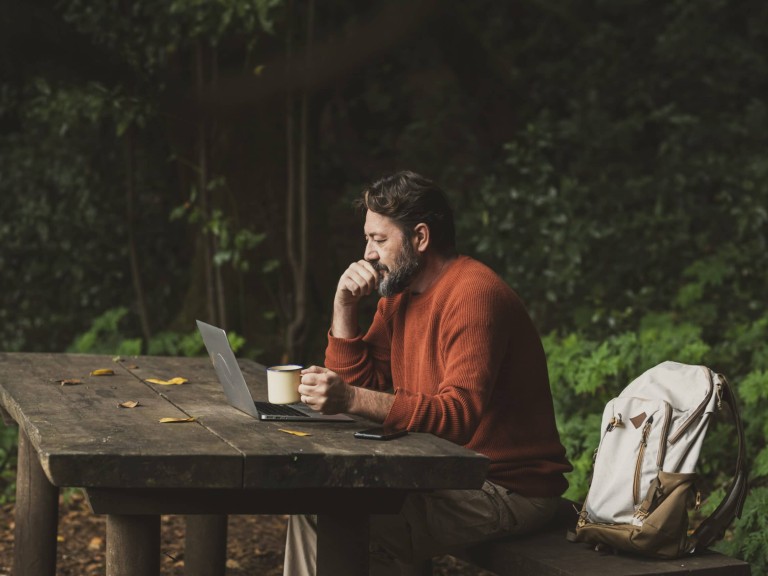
pixel 638 420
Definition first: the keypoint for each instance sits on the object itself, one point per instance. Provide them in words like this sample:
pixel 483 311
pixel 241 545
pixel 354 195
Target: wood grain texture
pixel 205 545
pixel 84 439
pixel 550 554
pixel 133 545
pixel 328 457
pixel 37 514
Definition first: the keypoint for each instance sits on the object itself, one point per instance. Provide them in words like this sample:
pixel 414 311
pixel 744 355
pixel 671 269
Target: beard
pixel 407 265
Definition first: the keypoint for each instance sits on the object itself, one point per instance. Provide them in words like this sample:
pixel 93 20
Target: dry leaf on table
pixel 129 404
pixel 68 381
pixel 176 420
pixel 172 382
pixel 294 432
pixel 103 372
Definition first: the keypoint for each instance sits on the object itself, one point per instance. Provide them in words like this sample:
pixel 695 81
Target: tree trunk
pixel 298 201
pixel 202 185
pixel 130 192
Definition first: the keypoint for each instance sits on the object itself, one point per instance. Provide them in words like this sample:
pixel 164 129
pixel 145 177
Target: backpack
pixel 643 482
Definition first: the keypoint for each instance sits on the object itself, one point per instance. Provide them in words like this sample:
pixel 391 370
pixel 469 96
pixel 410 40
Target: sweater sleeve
pixel 473 339
pixel 363 360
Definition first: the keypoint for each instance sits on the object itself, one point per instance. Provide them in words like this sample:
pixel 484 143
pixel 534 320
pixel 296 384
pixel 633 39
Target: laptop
pixel 237 392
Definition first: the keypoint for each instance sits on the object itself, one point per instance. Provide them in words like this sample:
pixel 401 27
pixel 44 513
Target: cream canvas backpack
pixel 643 482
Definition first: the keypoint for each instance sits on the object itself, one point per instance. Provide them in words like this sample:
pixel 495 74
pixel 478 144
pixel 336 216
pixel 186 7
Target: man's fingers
pixel 363 274
pixel 314 370
pixel 356 285
pixel 369 267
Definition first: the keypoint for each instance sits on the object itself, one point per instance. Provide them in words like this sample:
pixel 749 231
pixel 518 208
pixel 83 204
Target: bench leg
pixel 342 544
pixel 205 545
pixel 133 545
pixel 37 515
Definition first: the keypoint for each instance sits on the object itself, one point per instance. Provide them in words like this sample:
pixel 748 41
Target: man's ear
pixel 421 237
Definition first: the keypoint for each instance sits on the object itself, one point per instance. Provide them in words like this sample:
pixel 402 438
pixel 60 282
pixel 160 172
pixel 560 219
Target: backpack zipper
pixel 664 432
pixel 640 454
pixel 696 413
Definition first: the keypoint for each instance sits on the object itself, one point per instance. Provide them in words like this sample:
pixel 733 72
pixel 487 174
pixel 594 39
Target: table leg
pixel 37 514
pixel 342 544
pixel 205 545
pixel 133 545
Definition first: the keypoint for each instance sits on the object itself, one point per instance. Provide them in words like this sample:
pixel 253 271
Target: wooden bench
pixel 548 553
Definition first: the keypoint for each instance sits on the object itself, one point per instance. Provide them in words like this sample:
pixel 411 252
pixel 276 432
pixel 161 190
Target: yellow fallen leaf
pixel 103 372
pixel 129 404
pixel 95 543
pixel 294 432
pixel 176 420
pixel 171 382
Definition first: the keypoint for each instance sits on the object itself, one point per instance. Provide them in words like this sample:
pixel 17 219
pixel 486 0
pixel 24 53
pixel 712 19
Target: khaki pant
pixel 429 524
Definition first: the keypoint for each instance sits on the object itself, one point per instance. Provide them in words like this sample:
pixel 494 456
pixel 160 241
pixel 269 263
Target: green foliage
pixel 586 373
pixel 234 245
pixel 759 465
pixel 607 159
pixel 749 539
pixel 147 34
pixel 106 336
pixel 626 191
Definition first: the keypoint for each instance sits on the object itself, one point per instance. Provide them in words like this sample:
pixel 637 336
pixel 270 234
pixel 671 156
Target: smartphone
pixel 380 433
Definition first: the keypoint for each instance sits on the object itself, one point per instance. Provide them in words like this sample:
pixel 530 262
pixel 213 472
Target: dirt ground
pixel 255 544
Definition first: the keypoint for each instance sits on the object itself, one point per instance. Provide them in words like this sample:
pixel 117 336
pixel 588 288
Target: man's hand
pixel 359 280
pixel 325 391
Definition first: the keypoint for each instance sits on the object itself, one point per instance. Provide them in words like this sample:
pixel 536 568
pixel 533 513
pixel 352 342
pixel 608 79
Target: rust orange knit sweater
pixel 466 364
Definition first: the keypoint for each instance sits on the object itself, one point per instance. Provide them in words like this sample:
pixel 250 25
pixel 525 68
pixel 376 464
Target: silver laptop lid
pixel 236 390
pixel 227 368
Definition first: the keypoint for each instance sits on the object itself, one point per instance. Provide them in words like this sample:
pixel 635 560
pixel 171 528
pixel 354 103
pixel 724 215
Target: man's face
pixel 391 254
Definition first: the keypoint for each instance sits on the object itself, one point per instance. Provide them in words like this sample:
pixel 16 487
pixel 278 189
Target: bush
pixel 586 373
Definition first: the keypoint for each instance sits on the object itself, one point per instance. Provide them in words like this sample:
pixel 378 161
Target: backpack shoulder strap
pixel 714 526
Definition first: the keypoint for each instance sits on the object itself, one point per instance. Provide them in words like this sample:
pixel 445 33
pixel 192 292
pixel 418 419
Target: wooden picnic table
pixel 72 432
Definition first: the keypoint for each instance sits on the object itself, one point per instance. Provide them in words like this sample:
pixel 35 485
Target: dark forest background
pixel 167 160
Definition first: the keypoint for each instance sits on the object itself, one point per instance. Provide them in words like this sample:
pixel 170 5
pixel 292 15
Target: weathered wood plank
pixel 550 554
pixel 133 545
pixel 37 509
pixel 134 468
pixel 128 447
pixel 329 457
pixel 119 447
pixel 288 501
pixel 205 545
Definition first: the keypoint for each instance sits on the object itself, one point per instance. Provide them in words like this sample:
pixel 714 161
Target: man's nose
pixel 370 253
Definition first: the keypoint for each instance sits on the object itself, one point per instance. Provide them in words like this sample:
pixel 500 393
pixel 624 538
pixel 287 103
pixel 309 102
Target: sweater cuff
pixel 399 416
pixel 343 352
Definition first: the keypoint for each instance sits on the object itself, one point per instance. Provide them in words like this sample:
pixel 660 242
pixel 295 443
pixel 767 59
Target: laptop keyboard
pixel 278 410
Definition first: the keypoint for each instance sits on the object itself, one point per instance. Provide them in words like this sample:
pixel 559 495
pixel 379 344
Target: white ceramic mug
pixel 283 383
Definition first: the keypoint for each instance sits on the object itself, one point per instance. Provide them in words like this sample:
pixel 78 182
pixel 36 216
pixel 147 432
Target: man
pixel 465 362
